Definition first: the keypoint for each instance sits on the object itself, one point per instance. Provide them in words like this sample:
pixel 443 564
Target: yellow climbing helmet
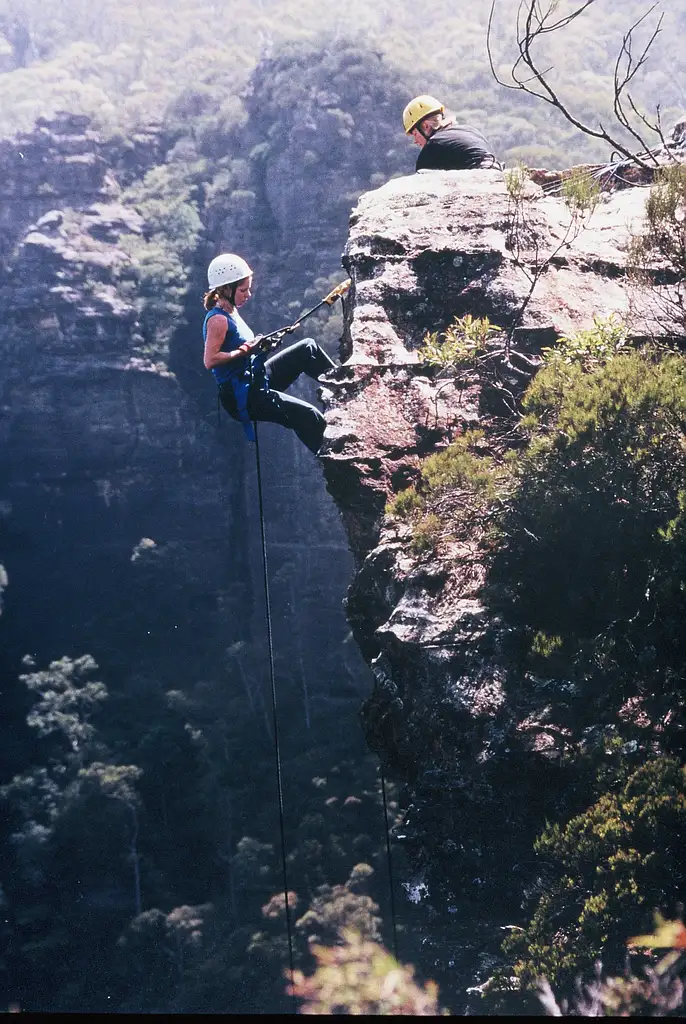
pixel 419 107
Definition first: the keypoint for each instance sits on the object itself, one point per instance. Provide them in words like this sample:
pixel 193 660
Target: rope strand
pixel 390 865
pixel 277 750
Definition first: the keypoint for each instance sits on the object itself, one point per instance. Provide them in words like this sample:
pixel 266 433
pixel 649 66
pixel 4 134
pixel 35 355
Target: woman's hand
pixel 250 346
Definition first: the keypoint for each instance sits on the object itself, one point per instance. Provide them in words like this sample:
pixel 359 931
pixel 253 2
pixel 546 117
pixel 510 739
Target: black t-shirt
pixel 457 147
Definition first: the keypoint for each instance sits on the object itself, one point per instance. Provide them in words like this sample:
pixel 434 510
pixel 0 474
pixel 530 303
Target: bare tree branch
pixel 622 80
pixel 534 22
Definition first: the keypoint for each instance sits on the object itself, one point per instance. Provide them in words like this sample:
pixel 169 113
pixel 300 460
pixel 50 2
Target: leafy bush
pixel 614 863
pixel 516 180
pixel 404 504
pixel 589 347
pixel 580 191
pixel 658 253
pixel 593 536
pixel 657 991
pixel 359 977
pixel 426 534
pixel 157 277
pixel 591 568
pixel 458 466
pixel 460 345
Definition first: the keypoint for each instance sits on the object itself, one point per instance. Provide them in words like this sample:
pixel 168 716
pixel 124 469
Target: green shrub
pixel 405 504
pixel 458 466
pixel 157 277
pixel 361 978
pixel 544 646
pixel 460 345
pixel 661 246
pixel 664 228
pixel 580 191
pixel 516 180
pixel 589 347
pixel 615 864
pixel 593 536
pixel 426 534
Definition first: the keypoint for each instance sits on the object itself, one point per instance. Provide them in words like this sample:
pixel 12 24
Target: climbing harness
pixel 251 373
pixel 248 374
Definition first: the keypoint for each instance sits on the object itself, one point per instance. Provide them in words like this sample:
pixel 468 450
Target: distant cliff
pixel 130 532
pixel 101 447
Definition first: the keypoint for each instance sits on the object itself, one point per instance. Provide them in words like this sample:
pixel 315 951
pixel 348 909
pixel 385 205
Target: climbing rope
pixel 277 750
pixel 390 864
pixel 276 337
pixel 275 717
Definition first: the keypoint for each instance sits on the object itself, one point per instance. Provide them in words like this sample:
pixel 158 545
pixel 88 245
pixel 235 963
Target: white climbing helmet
pixel 227 269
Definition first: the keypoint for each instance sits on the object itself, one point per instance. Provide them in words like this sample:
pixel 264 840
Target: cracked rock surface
pixel 473 738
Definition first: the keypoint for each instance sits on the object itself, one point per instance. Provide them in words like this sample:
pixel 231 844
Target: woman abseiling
pixel 251 387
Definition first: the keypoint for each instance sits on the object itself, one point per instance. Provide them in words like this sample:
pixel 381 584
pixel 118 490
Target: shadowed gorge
pixel 476 588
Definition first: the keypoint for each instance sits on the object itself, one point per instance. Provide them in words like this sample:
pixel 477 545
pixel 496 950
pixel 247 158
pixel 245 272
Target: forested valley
pixel 140 834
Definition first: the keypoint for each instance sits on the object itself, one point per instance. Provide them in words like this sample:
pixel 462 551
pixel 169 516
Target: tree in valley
pixel 74 840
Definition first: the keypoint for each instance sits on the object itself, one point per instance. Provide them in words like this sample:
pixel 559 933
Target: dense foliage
pixel 358 977
pixel 124 831
pixel 657 256
pixel 600 496
pixel 589 569
pixel 615 863
pixel 138 64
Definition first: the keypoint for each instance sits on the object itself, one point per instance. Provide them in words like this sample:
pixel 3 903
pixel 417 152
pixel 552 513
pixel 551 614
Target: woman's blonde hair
pixel 225 291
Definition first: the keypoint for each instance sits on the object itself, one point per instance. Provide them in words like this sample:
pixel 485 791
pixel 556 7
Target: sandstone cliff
pixel 128 520
pixel 475 739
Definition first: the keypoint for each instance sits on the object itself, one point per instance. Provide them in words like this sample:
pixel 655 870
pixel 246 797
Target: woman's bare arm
pixel 216 333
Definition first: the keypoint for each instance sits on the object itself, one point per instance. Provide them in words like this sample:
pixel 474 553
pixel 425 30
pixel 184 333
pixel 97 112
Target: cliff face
pixel 101 449
pixel 129 531
pixel 475 740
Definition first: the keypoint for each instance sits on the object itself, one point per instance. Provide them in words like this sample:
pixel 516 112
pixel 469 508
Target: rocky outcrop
pixel 427 248
pixel 475 741
pixel 63 162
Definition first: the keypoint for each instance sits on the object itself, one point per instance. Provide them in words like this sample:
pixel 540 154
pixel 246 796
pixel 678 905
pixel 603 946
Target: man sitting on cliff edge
pixel 445 145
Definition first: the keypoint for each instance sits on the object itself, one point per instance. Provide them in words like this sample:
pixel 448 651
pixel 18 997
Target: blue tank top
pixel 237 333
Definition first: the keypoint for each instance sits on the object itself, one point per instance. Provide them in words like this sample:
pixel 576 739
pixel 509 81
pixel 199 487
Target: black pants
pixel 273 406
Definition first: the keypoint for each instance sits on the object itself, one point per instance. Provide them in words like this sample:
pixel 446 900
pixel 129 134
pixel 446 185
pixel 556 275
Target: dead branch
pixel 527 76
pixel 622 79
